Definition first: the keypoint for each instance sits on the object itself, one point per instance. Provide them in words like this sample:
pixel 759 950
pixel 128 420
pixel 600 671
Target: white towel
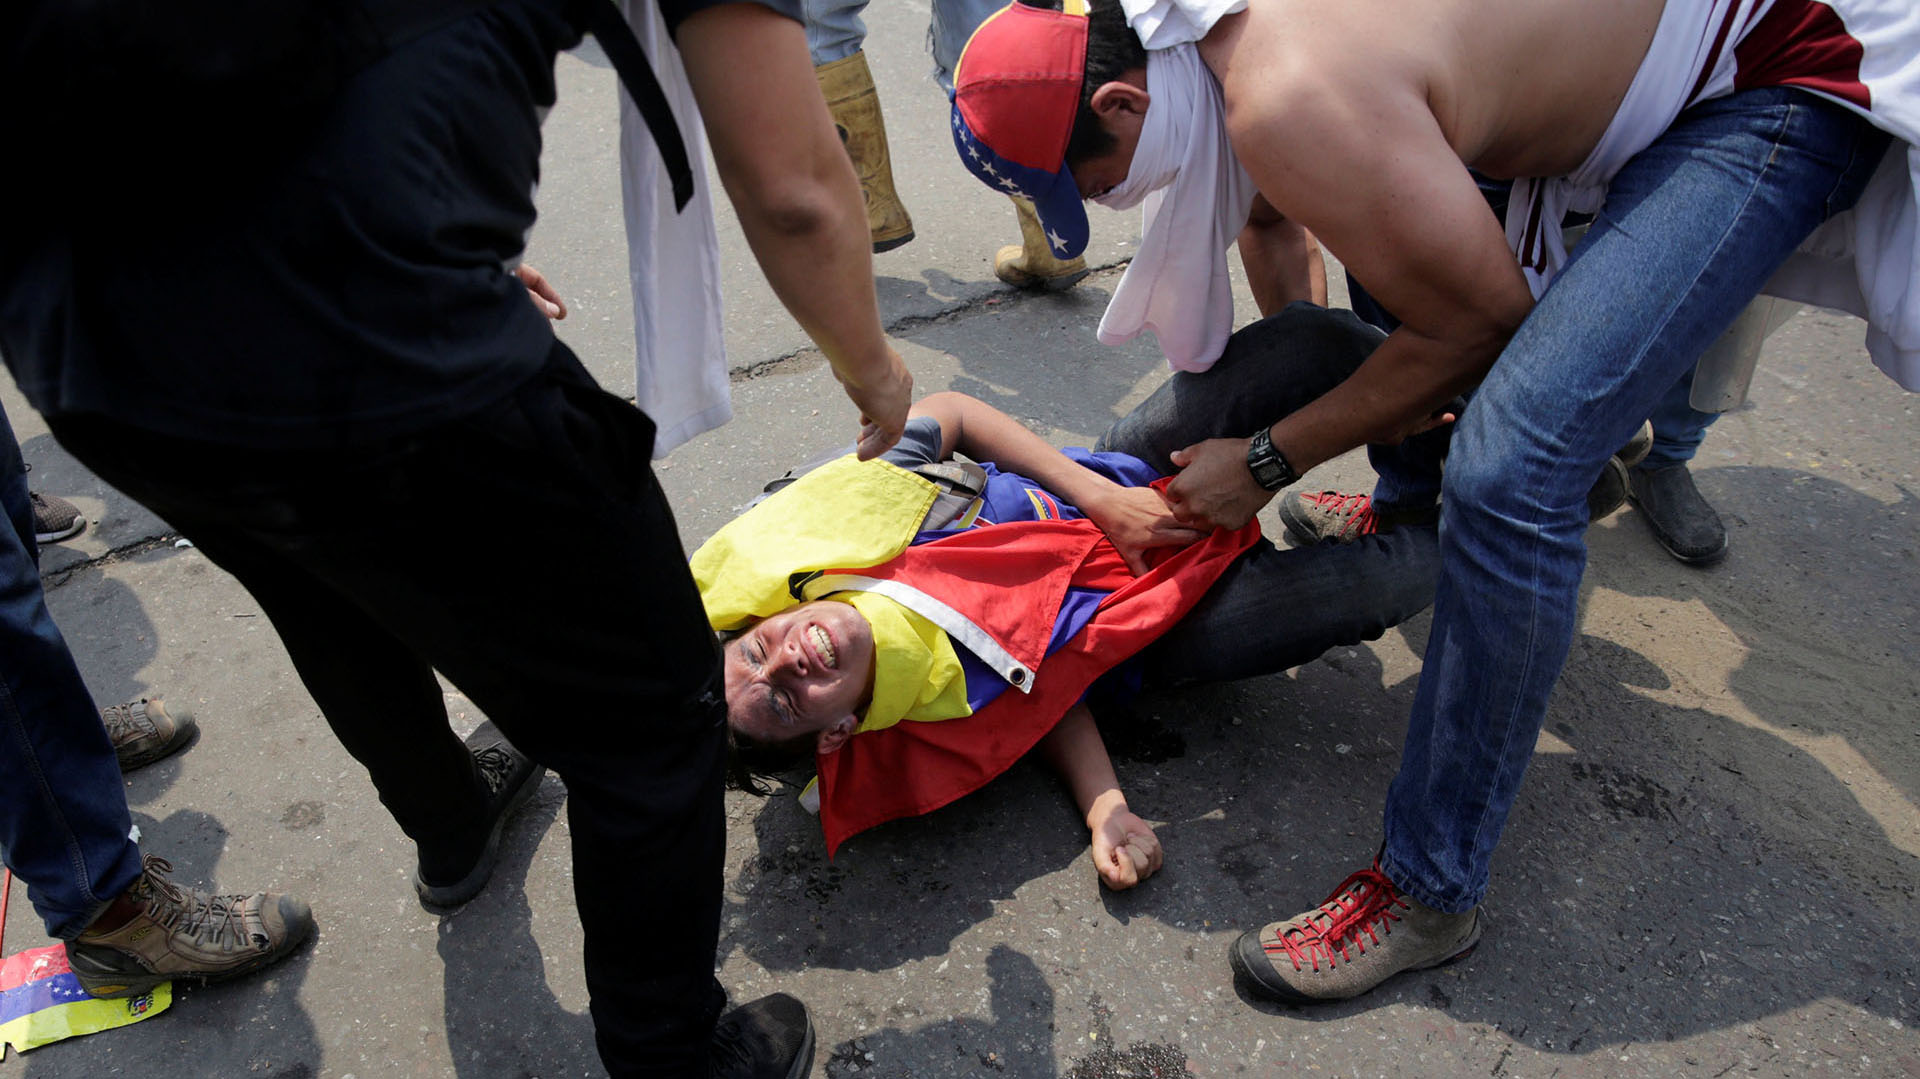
pixel 1864 261
pixel 673 260
pixel 1196 198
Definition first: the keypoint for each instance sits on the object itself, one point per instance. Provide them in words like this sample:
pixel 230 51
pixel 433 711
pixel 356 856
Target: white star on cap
pixel 1055 239
pixel 972 152
pixel 989 169
pixel 1008 183
pixel 956 121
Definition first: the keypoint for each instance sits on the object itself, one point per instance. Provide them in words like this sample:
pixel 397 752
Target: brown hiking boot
pixel 144 731
pixel 1031 264
pixel 1365 933
pixel 855 104
pixel 183 934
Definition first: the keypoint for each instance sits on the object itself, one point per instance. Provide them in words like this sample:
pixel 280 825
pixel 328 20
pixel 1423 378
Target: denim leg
pixel 1268 369
pixel 954 21
pixel 1678 427
pixel 63 814
pixel 1692 228
pixel 835 29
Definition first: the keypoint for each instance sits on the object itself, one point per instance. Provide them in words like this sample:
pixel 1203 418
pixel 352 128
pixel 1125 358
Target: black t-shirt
pixel 361 292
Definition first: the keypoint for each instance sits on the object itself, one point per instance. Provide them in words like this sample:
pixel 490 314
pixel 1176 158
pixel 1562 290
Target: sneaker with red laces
pixel 1327 516
pixel 1363 934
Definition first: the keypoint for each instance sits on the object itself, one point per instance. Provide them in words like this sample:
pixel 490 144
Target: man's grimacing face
pixel 799 671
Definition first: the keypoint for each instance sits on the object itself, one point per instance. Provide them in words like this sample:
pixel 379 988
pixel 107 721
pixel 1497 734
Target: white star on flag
pixel 1056 240
pixel 972 152
pixel 989 169
pixel 1008 183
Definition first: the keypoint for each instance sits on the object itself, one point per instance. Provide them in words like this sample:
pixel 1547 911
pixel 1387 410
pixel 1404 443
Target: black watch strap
pixel 1270 470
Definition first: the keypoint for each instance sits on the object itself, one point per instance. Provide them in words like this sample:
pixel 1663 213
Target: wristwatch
pixel 1270 470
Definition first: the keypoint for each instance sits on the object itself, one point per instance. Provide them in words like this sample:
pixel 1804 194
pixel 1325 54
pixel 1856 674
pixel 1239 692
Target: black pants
pixel 527 552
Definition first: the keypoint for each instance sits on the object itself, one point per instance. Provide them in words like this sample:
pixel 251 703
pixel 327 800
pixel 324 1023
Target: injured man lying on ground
pixel 916 623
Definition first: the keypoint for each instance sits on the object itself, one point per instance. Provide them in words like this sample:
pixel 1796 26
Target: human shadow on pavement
pixel 899 892
pixel 1672 869
pixel 277 1040
pixel 502 1017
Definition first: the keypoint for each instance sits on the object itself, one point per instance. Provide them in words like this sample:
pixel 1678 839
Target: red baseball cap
pixel 1016 90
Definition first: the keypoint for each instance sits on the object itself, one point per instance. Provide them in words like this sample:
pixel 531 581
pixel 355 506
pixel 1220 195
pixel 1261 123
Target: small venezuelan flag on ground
pixel 41 1001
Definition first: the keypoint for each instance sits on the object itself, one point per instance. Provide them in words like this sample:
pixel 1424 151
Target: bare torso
pixel 1518 87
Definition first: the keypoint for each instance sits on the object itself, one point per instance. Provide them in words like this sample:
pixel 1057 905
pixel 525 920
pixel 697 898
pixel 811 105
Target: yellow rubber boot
pixel 848 86
pixel 1031 264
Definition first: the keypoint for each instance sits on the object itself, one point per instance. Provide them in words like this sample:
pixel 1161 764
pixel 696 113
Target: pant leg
pixel 1678 427
pixel 835 29
pixel 1268 369
pixel 954 21
pixel 593 656
pixel 64 824
pixel 1276 608
pixel 1692 227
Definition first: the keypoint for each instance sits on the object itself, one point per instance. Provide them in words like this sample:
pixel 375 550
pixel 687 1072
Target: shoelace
pixel 496 764
pixel 1355 511
pixel 214 919
pixel 120 720
pixel 1359 912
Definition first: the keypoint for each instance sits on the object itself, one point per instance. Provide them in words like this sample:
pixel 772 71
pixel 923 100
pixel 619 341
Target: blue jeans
pixel 1409 472
pixel 1678 427
pixel 63 813
pixel 835 30
pixel 1692 227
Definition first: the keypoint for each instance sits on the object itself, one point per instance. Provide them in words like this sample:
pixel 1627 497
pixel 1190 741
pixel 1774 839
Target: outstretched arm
pixel 799 203
pixel 1134 518
pixel 1125 850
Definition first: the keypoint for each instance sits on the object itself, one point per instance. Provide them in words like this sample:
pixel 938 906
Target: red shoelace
pixel 1358 913
pixel 1355 511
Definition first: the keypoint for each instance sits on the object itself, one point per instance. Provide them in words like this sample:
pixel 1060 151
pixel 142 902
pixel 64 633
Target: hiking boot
pixel 183 934
pixel 54 518
pixel 1030 264
pixel 1327 517
pixel 1684 523
pixel 510 778
pixel 770 1038
pixel 1365 933
pixel 144 731
pixel 1331 517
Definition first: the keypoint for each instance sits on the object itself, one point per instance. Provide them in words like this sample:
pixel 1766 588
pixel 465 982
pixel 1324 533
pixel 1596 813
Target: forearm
pixel 985 433
pixel 789 179
pixel 1394 393
pixel 1075 750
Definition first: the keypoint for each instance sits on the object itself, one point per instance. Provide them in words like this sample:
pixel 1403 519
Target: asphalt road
pixel 1711 870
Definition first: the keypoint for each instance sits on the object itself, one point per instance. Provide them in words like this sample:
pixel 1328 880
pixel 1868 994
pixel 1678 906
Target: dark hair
pixel 750 761
pixel 1113 49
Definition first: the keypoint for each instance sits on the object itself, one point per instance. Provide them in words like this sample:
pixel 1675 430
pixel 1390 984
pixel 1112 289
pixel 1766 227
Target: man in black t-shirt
pixel 341 354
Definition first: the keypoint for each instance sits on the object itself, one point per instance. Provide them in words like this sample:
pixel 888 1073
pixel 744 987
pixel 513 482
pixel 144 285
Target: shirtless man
pixel 1690 127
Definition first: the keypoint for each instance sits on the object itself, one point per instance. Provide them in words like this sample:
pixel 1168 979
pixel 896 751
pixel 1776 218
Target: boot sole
pixel 1276 989
pixel 883 246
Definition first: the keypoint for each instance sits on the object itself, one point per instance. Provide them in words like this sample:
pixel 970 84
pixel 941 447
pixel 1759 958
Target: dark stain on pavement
pixel 303 815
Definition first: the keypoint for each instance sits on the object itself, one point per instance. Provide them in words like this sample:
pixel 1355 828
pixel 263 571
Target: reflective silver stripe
pixel 952 622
